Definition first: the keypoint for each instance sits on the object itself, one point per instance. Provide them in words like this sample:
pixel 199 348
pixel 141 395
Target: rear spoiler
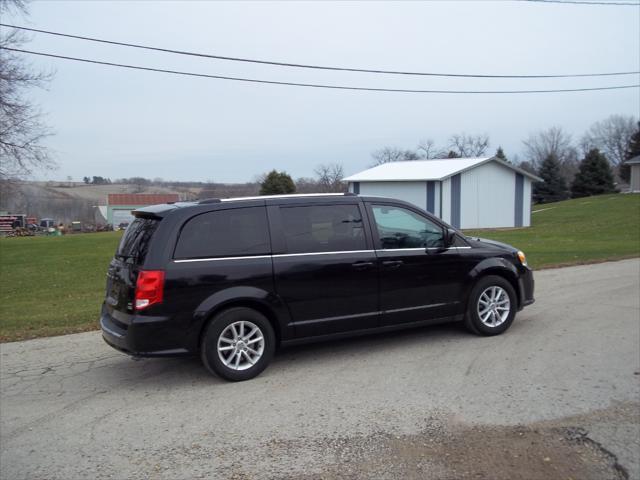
pixel 154 212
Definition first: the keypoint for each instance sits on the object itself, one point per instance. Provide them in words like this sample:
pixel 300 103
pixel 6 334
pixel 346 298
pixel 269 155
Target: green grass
pixel 55 285
pixel 583 230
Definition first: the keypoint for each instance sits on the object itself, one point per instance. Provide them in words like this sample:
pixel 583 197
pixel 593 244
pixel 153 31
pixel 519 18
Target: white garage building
pixel 464 192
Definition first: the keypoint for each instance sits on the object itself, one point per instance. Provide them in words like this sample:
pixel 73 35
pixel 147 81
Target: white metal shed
pixel 634 163
pixel 465 192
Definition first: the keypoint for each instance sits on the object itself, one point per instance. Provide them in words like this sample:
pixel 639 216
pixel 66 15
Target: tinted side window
pixel 402 228
pixel 323 228
pixel 225 233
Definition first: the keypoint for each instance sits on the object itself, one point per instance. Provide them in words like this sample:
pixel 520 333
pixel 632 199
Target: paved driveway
pixel 556 396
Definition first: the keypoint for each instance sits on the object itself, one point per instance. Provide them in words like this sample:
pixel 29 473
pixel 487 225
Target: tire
pixel 486 314
pixel 243 354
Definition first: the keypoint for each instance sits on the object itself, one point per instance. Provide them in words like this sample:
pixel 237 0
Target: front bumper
pixel 139 336
pixel 527 286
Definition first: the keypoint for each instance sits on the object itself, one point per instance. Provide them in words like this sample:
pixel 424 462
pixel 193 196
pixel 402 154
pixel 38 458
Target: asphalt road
pixel 557 396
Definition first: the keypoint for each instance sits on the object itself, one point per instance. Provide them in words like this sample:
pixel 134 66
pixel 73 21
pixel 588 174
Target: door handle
pixel 362 265
pixel 392 263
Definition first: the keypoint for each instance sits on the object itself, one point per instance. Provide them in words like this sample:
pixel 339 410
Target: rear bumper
pixel 139 336
pixel 527 286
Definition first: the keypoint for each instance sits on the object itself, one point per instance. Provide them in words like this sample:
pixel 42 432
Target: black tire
pixel 473 322
pixel 217 325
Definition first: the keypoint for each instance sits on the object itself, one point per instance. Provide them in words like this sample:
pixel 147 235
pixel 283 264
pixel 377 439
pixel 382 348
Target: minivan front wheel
pixel 492 306
pixel 237 344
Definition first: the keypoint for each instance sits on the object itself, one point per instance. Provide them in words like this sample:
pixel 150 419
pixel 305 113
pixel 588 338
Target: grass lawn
pixel 55 285
pixel 582 230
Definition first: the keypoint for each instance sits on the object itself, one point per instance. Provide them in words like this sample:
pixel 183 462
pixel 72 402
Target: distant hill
pixel 69 201
pixel 98 193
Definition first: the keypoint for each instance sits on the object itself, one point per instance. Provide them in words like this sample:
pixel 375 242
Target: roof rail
pixel 209 200
pixel 287 195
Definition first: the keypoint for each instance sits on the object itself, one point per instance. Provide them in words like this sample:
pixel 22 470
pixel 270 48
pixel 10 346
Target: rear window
pixel 235 232
pixel 135 241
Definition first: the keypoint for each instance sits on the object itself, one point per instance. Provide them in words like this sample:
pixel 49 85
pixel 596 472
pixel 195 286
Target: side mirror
pixel 449 237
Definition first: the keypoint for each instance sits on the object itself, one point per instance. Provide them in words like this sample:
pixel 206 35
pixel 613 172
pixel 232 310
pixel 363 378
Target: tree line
pixel 460 145
pixel 592 165
pixel 328 179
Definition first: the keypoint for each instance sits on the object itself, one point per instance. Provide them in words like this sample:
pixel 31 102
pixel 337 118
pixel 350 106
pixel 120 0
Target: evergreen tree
pixel 633 150
pixel 500 154
pixel 553 188
pixel 594 176
pixel 276 183
pixel 453 154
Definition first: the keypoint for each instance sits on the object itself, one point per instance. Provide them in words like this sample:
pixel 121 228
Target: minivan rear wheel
pixel 492 306
pixel 237 344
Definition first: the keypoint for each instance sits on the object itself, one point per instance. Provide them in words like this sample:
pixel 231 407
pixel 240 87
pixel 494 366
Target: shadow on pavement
pixel 162 373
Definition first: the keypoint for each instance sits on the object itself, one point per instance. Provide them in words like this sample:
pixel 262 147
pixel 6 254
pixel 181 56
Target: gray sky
pixel 120 123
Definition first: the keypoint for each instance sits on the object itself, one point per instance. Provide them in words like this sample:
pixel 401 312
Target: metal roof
pixel 633 161
pixel 422 170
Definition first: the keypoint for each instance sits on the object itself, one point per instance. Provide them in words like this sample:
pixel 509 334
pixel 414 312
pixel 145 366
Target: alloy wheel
pixel 241 345
pixel 494 306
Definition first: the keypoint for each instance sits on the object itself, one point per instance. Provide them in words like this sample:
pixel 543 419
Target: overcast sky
pixel 120 123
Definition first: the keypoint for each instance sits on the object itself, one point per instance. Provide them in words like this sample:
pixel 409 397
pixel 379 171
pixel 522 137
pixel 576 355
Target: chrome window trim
pixel 285 255
pixel 214 259
pixel 418 249
pixel 277 255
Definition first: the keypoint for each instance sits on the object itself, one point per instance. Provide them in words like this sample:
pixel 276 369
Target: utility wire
pixel 585 2
pixel 313 85
pixel 299 65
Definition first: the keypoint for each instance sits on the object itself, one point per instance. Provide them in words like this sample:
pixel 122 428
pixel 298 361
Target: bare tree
pixel 469 145
pixel 22 129
pixel 527 167
pixel 387 155
pixel 570 165
pixel 410 155
pixel 330 178
pixel 139 184
pixel 307 185
pixel 552 141
pixel 611 136
pixel 427 149
pixel 393 154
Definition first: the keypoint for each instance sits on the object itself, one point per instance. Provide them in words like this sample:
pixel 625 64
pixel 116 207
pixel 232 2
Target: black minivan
pixel 231 280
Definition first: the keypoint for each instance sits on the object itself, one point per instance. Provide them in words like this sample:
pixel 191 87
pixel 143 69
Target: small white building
pixel 464 192
pixel 634 164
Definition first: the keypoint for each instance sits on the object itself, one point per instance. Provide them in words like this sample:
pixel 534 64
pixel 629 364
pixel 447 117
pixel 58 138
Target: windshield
pixel 135 241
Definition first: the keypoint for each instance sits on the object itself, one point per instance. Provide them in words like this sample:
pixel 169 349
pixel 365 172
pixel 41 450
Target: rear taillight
pixel 149 288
